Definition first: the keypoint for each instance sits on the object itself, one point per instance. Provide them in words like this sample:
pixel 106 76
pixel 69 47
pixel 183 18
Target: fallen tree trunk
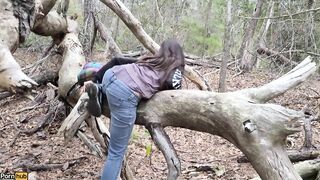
pixel 270 52
pixel 294 156
pixel 306 169
pixel 259 130
pixel 11 76
pixel 73 61
pixel 16 21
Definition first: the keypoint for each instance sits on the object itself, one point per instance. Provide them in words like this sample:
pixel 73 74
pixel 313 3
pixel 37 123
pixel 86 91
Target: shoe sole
pixel 93 105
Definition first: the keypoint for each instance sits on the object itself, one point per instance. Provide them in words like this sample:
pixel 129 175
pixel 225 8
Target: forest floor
pixel 203 156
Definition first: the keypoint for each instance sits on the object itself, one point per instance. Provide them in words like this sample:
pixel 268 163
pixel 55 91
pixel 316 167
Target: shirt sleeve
pixel 175 79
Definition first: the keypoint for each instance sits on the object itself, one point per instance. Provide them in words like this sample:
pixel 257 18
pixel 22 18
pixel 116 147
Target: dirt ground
pixel 202 156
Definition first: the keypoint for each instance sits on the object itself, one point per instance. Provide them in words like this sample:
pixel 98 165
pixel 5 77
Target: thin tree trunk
pixel 226 48
pixel 261 39
pixel 89 30
pixel 245 50
pixel 206 32
pixel 310 26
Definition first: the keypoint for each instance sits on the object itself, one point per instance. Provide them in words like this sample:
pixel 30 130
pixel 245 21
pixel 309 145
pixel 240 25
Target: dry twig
pixel 47 167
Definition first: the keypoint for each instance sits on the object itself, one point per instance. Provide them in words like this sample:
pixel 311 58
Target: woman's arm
pixel 113 62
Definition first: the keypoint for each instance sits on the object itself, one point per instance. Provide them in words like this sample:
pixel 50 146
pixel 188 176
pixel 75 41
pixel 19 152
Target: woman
pixel 124 86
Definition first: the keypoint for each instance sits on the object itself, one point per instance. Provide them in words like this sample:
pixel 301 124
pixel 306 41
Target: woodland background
pixel 200 25
pixel 282 34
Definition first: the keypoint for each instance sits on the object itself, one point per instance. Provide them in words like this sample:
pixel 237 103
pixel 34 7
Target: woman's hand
pixel 82 88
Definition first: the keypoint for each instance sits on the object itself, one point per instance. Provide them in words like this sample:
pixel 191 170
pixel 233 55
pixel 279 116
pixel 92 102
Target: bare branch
pixel 284 16
pixel 277 87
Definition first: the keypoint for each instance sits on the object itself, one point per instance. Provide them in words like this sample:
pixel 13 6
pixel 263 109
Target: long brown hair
pixel 169 57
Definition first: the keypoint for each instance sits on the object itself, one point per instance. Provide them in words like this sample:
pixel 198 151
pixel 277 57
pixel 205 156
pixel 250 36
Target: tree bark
pixel 306 169
pixel 112 49
pixel 206 33
pixel 9 26
pixel 15 24
pixel 245 51
pixel 261 39
pixel 294 156
pixel 73 61
pixel 226 48
pixel 11 77
pixel 309 28
pixel 89 30
pixel 270 52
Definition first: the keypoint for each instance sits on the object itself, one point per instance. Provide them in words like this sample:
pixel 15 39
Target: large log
pixel 259 130
pixel 11 76
pixel 306 169
pixel 73 61
pixel 17 19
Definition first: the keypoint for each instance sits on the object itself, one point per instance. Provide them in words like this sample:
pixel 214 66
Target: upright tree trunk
pixel 310 42
pixel 226 48
pixel 89 30
pixel 261 39
pixel 245 51
pixel 206 31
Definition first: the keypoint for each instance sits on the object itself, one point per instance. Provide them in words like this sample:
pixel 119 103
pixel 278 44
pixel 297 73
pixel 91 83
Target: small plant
pixel 148 150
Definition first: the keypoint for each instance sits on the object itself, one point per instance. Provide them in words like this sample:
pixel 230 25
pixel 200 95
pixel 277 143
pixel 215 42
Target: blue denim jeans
pixel 123 108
